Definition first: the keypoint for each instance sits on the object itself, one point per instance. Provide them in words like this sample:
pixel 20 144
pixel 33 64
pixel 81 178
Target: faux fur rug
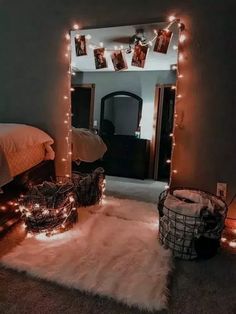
pixel 112 251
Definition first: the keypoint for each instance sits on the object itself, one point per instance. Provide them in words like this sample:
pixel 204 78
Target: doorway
pixel 82 105
pixel 163 127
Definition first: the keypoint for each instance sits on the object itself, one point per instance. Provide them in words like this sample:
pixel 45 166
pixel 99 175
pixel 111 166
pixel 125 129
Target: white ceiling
pixel 112 36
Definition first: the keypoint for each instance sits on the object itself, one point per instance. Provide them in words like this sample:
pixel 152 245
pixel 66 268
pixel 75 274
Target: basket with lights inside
pixel 49 208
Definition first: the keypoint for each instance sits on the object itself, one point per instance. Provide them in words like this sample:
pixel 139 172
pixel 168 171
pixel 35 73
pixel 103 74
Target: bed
pixel 86 146
pixel 21 148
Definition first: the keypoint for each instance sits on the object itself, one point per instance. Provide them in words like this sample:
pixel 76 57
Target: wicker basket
pixel 49 208
pixel 190 237
pixel 88 188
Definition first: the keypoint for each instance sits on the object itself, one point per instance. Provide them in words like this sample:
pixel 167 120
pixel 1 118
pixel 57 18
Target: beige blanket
pixel 16 137
pixel 87 146
pixel 5 175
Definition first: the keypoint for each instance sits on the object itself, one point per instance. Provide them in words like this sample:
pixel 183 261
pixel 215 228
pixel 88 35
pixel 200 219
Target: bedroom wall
pixel 33 69
pixel 140 83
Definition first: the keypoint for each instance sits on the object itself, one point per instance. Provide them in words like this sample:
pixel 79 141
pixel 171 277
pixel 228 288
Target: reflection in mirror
pixel 128 67
pixel 120 114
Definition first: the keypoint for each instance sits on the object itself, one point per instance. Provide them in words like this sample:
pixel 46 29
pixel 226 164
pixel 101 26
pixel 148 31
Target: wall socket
pixel 221 190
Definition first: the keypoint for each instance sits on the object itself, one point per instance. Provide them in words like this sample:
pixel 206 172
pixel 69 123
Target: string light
pixel 232 244
pixel 174 67
pixel 67 36
pixel 171 18
pixel 88 36
pixel 75 26
pixel 181 57
pixel 182 38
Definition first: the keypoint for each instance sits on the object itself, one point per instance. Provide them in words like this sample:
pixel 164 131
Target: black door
pixel 80 107
pixel 166 129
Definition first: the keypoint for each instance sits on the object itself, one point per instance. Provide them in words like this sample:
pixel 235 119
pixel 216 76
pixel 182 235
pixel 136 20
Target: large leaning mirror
pixel 123 96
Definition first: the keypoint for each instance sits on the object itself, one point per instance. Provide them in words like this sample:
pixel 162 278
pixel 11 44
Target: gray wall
pixel 139 83
pixel 33 69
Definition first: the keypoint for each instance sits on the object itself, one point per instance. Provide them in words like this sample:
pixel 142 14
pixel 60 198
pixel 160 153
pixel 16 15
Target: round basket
pixel 49 208
pixel 191 236
pixel 89 187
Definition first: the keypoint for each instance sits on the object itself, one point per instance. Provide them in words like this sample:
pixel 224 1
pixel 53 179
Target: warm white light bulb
pixel 65 97
pixel 180 76
pixel 76 26
pixel 171 18
pixel 88 36
pixel 121 47
pixel 155 31
pixel 173 87
pixel 174 171
pixel 150 43
pixel 72 89
pixel 67 36
pixel 181 57
pixel 115 47
pixel 101 44
pixel 168 161
pixel 175 47
pixel 182 38
pixel 232 244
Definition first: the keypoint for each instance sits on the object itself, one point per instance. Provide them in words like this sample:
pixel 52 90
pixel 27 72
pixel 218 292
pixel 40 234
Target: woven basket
pixel 190 237
pixel 49 208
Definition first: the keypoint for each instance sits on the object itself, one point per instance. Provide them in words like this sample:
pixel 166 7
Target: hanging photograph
pixel 139 56
pixel 100 60
pixel 162 40
pixel 80 46
pixel 118 60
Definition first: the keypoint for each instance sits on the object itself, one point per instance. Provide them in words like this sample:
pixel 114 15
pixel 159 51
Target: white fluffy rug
pixel 112 251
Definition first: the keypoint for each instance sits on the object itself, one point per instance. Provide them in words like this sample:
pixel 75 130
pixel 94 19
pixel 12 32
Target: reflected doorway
pixel 82 105
pixel 165 106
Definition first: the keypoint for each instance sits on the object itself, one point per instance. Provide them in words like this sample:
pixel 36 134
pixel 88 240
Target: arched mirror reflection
pixel 120 114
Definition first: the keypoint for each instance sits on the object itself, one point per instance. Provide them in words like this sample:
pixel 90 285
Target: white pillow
pixel 18 137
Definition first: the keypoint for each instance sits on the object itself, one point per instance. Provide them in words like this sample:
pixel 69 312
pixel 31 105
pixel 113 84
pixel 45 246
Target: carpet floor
pixel 199 287
pixel 112 251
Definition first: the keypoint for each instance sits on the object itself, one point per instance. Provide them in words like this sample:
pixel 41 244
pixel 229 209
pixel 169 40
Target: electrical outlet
pixel 221 190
